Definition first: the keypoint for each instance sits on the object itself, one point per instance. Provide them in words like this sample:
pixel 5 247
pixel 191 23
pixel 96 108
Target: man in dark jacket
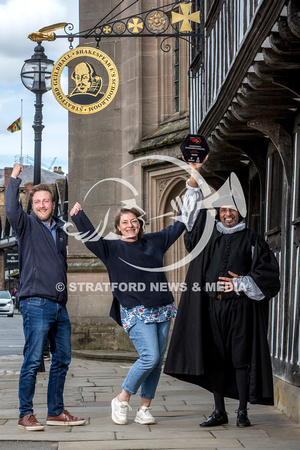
pixel 43 298
pixel 219 340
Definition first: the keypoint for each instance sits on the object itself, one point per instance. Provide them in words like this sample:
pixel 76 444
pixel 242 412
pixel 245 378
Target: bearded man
pixel 43 298
pixel 219 339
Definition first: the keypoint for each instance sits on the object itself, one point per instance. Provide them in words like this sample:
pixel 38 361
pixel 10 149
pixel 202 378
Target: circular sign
pixel 95 80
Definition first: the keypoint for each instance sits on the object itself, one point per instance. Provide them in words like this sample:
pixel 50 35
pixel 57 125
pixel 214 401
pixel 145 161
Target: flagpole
pixel 21 156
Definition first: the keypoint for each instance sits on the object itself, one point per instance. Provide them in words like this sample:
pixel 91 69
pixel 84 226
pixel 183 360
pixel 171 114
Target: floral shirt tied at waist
pixel 129 316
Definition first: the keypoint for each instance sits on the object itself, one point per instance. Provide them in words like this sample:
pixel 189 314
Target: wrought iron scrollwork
pixel 162 21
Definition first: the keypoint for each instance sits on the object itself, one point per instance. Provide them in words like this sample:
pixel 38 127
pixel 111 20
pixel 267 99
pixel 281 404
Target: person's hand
pixel 75 210
pixel 197 166
pixel 195 171
pixel 17 169
pixel 226 284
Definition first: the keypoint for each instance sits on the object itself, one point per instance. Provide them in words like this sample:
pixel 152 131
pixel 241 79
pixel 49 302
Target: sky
pixel 18 18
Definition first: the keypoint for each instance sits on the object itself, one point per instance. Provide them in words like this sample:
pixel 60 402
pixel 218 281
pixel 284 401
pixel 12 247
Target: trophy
pixel 194 148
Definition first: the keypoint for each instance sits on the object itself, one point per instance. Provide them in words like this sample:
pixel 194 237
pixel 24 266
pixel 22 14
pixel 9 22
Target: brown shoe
pixel 29 423
pixel 65 418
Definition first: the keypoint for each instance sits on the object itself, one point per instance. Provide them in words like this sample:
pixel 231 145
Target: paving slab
pixel 178 408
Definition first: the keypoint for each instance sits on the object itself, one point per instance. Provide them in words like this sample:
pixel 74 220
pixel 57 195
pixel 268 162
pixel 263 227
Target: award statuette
pixel 194 148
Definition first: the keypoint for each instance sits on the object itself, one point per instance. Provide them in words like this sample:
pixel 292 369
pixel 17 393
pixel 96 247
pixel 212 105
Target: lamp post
pixel 36 76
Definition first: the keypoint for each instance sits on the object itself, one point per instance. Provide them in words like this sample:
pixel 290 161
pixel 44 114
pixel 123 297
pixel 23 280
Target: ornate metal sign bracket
pixel 175 20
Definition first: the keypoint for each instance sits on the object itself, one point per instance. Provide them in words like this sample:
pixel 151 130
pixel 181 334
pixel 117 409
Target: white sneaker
pixel 144 416
pixel 119 411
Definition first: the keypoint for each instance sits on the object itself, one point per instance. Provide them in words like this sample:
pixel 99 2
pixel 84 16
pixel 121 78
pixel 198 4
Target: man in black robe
pixel 219 339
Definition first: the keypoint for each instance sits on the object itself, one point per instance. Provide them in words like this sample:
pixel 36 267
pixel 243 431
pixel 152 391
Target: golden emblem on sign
pixel 46 33
pixel 185 17
pixel 157 21
pixel 119 27
pixel 95 80
pixel 135 25
pixel 107 29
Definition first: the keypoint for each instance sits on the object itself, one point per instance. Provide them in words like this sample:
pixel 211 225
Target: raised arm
pixel 95 243
pixel 195 215
pixel 14 212
pixel 17 169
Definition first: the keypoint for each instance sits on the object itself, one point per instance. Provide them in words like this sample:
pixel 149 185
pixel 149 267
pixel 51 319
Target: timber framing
pixel 263 100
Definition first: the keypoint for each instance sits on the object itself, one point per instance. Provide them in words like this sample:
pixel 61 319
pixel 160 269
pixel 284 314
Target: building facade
pixel 149 116
pixel 237 85
pixel 245 98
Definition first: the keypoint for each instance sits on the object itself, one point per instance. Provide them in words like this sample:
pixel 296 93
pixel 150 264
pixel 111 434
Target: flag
pixel 15 126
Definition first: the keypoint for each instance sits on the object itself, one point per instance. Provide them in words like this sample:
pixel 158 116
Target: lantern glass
pixel 36 71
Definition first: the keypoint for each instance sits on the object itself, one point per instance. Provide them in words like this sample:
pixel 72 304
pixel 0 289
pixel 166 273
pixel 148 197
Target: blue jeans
pixel 150 341
pixel 44 318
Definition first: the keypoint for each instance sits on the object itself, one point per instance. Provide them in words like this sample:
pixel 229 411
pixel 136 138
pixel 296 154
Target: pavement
pixel 94 378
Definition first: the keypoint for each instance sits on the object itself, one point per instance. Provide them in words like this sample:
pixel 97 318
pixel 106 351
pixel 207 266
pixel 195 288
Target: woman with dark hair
pixel 124 211
pixel 142 301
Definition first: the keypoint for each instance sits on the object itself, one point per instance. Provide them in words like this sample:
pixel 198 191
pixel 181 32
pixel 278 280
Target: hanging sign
pixel 94 80
pixel 11 259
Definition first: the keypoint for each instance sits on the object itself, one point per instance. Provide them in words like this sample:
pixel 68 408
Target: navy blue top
pixel 133 286
pixel 42 261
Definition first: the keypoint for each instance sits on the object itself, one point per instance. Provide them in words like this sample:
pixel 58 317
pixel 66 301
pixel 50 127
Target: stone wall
pixel 100 145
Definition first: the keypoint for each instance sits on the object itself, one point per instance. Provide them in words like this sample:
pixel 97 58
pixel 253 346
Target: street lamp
pixel 36 76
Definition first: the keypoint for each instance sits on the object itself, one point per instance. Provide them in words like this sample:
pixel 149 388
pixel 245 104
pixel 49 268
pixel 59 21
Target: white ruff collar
pixel 239 227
